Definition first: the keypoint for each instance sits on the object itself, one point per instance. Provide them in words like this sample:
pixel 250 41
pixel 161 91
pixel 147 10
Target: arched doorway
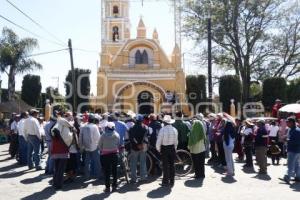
pixel 145 102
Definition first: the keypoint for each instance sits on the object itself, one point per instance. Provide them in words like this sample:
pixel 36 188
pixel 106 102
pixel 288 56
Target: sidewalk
pixel 20 183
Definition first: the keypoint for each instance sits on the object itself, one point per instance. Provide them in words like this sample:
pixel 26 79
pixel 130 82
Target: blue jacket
pixel 294 140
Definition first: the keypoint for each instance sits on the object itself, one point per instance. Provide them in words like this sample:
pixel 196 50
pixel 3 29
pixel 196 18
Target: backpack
pixel 86 137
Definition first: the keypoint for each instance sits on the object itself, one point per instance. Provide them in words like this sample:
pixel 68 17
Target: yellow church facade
pixel 135 73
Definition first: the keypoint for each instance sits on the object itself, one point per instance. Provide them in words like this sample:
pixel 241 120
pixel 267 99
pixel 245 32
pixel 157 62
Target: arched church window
pixel 115 10
pixel 115 33
pixel 145 57
pixel 138 57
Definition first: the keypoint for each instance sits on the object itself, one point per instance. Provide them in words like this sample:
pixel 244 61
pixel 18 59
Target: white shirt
pixel 95 134
pixel 21 127
pixel 167 135
pixel 14 127
pixel 32 127
pixel 273 131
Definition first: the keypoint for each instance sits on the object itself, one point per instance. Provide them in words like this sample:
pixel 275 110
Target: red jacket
pixel 59 149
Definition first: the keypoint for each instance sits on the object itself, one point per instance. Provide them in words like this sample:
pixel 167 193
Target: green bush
pixel 31 89
pixel 273 88
pixel 230 87
pixel 293 91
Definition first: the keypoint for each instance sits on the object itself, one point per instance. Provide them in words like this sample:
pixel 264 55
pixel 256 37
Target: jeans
pixel 134 157
pixel 50 162
pixel 22 150
pixel 207 147
pixel 293 163
pixel 34 145
pixel 229 159
pixel 92 164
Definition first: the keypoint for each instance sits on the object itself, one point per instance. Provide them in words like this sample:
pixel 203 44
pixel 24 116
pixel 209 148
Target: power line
pixel 32 33
pixel 35 22
pixel 47 52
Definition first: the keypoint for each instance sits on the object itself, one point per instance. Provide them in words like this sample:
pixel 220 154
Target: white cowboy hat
pixel 168 119
pixel 110 125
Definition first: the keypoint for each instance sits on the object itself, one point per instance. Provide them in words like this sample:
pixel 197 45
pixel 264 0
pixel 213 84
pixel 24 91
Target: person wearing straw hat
pixel 166 144
pixel 247 142
pixel 32 132
pixel 261 146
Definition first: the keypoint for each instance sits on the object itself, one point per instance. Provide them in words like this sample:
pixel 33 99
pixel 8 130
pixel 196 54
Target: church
pixel 135 73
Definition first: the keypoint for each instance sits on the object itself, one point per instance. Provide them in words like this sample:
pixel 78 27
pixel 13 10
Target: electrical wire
pixel 45 53
pixel 32 33
pixel 35 22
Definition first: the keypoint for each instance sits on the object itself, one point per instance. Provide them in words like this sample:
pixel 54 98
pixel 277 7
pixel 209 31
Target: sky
pixel 79 20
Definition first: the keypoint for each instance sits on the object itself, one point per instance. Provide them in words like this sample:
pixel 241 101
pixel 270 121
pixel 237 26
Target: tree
pixel 52 94
pixel 230 88
pixel 14 58
pixel 273 88
pixel 196 90
pixel 293 91
pixel 84 88
pixel 248 36
pixel 31 89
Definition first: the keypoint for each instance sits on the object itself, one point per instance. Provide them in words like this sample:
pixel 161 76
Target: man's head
pixel 139 118
pixel 34 113
pixel 291 122
pixel 178 115
pixel 91 118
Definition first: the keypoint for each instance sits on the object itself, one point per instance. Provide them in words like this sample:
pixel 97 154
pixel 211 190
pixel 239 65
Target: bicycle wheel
pixel 183 163
pixel 149 163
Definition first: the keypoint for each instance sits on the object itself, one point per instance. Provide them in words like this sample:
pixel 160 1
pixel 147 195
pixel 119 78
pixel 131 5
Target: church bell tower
pixel 115 24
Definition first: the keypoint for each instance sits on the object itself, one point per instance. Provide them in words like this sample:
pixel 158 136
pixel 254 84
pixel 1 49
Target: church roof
pixel 141 23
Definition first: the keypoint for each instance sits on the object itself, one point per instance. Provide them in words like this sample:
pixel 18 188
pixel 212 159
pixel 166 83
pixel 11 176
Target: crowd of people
pixel 91 144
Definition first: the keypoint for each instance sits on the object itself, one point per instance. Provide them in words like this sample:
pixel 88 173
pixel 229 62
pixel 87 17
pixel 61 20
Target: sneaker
pixel 285 179
pixel 114 189
pixel 297 179
pixel 38 168
pixel 133 181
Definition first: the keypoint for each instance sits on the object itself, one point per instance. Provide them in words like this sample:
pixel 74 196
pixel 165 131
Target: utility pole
pixel 74 91
pixel 210 89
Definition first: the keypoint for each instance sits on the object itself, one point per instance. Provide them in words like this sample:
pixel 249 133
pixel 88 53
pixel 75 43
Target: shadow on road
pixel 36 179
pixel 44 194
pixel 217 169
pixel 264 177
pixel 14 174
pixel 97 196
pixel 194 183
pixel 159 192
pixel 10 167
pixel 295 187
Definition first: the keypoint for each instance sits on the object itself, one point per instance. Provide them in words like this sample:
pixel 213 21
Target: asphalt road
pixel 20 183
